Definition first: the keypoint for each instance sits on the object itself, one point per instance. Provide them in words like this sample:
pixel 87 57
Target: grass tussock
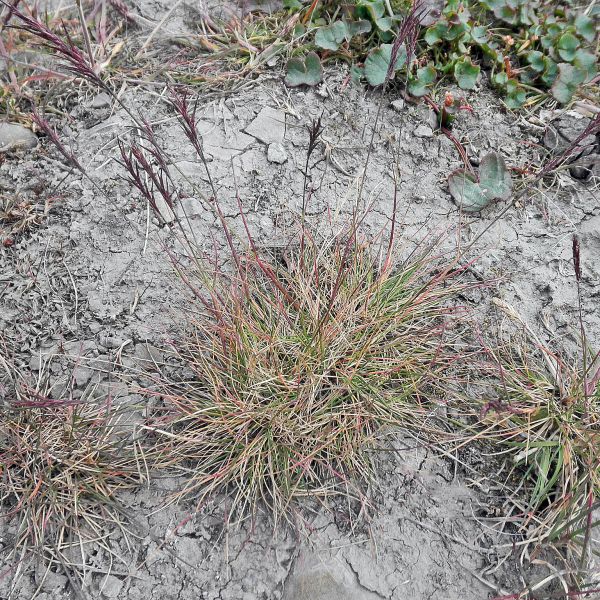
pixel 547 418
pixel 298 363
pixel 61 463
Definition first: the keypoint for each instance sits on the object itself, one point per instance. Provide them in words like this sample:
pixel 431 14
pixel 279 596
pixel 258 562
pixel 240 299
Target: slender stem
pixel 86 35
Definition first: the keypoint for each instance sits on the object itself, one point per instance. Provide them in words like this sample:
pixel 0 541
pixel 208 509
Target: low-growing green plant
pixel 304 71
pixel 530 48
pixel 474 192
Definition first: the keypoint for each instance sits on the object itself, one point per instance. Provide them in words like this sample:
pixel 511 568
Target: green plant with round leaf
pixel 304 71
pixel 332 36
pixel 466 73
pixel 376 12
pixel 566 84
pixel 378 62
pixel 419 84
pixel 472 193
pixel 561 55
pixel 514 12
pixel 532 49
pixel 452 40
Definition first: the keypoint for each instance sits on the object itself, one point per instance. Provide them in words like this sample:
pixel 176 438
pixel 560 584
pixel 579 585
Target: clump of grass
pixel 62 460
pixel 547 417
pixel 298 362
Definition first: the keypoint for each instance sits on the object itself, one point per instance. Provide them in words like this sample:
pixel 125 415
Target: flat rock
pixel 276 153
pixel 312 579
pixel 562 132
pixel 16 137
pixel 101 100
pixel 268 126
pixel 221 146
pixel 398 105
pixel 111 587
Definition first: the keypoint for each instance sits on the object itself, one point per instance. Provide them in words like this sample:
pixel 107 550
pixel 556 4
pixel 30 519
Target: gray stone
pixel 424 131
pixel 82 375
pixel 315 580
pixel 112 340
pixel 268 126
pixel 54 582
pixel 148 353
pixel 276 153
pixel 562 132
pixel 16 137
pixel 251 160
pixel 112 389
pixel 101 100
pixel 111 587
pixel 221 146
pixel 190 207
pixel 79 347
pixel 398 105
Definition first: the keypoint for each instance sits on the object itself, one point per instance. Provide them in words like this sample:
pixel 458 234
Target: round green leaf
pixel 479 34
pixel 494 184
pixel 494 177
pixel 550 71
pixel 358 27
pixel 567 82
pixel 436 34
pixel 536 59
pixel 466 192
pixel 330 38
pixel 585 27
pixel 508 14
pixel 466 73
pixel 500 79
pixel 378 61
pixel 307 71
pixel 567 45
pixel 516 99
pixel 585 61
pixel 425 77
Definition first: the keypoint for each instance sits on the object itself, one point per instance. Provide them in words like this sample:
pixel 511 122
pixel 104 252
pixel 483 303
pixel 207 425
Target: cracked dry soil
pixel 94 282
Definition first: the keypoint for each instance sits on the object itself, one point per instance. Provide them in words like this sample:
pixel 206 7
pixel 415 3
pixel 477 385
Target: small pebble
pixel 423 131
pixel 268 126
pixel 398 105
pixel 276 154
pixel 111 587
pixel 101 100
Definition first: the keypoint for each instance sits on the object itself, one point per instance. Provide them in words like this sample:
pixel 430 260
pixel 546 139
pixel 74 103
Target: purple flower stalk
pixel 592 129
pixel 408 34
pixel 75 61
pixel 53 137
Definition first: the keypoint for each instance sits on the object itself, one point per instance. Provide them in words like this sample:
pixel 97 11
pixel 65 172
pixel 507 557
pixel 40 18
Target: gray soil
pixel 95 282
